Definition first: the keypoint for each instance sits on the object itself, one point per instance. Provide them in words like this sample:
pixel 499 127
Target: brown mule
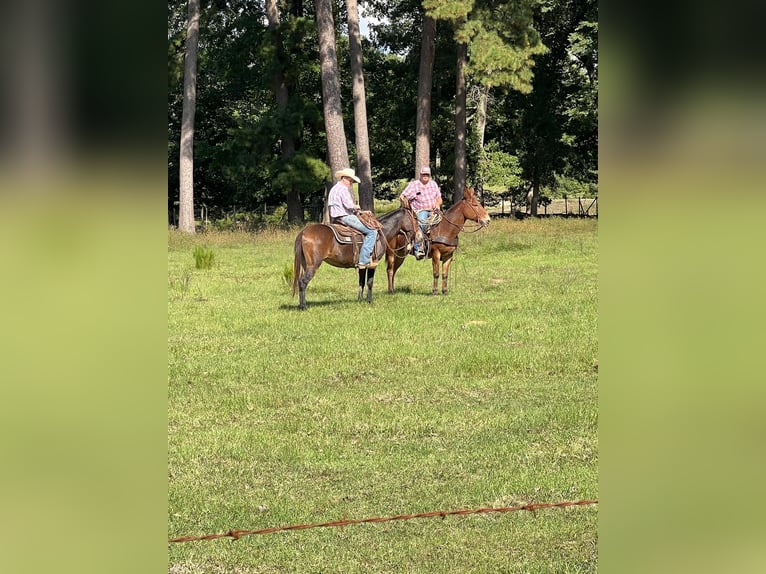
pixel 443 241
pixel 317 243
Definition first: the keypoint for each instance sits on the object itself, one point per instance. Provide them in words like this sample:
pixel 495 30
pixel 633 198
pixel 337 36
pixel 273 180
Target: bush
pixel 203 257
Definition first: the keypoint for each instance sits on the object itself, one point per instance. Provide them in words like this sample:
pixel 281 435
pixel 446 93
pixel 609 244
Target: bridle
pixel 462 227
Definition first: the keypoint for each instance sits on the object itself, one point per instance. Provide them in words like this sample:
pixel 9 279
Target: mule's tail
pixel 297 261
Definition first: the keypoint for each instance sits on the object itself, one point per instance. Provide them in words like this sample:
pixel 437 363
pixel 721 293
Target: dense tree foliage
pixel 531 110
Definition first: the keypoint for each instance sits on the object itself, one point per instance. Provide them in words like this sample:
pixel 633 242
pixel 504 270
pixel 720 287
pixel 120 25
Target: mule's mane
pixel 455 205
pixel 455 209
pixel 391 220
pixel 390 214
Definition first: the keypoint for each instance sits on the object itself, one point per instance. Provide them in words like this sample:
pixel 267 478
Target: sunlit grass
pixel 485 397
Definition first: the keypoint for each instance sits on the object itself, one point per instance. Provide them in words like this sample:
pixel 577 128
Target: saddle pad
pixel 343 233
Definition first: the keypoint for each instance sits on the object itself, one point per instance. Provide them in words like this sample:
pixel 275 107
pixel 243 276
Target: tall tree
pixel 551 109
pixel 480 94
pixel 496 44
pixel 239 129
pixel 281 91
pixel 337 150
pixel 456 12
pixel 425 86
pixel 460 122
pixel 186 159
pixel 364 168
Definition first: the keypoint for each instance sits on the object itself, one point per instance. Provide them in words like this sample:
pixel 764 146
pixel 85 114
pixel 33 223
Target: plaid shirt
pixel 422 196
pixel 340 200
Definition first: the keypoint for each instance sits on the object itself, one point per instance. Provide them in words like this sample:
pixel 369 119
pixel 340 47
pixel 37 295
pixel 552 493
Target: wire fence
pixel 237 534
pixel 570 207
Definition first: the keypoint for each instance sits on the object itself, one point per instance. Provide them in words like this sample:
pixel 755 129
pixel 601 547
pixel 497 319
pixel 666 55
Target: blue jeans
pixel 423 216
pixel 370 236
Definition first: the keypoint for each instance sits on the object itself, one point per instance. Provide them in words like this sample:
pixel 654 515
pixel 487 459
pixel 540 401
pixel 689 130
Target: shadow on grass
pixel 424 291
pixel 329 303
pixel 406 290
pixel 383 293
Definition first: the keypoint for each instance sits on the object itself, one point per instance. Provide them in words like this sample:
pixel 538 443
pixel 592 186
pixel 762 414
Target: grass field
pixel 416 403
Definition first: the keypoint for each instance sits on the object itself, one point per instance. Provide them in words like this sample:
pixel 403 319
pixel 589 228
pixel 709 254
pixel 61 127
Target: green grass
pixel 416 403
pixel 203 257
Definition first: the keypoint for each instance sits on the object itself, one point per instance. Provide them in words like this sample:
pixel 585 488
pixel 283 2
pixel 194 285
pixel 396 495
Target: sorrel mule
pixel 316 243
pixel 444 239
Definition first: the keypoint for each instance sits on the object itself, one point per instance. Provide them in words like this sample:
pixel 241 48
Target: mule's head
pixel 474 210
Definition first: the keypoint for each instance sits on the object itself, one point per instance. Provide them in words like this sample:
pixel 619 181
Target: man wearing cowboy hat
pixel 423 196
pixel 343 210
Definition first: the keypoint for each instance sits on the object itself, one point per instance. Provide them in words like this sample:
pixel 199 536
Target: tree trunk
pixel 481 114
pixel 481 126
pixel 282 94
pixel 460 122
pixel 425 81
pixel 337 151
pixel 186 159
pixel 363 167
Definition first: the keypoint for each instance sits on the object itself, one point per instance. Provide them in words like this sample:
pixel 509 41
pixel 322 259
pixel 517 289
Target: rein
pixel 408 212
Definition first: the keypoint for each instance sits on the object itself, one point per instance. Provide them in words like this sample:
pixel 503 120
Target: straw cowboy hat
pixel 347 172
